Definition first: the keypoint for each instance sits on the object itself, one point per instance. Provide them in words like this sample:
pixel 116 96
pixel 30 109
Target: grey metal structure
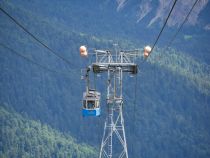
pixel 115 65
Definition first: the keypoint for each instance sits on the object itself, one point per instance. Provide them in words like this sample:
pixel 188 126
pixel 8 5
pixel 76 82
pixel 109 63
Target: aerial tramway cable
pixel 158 38
pixel 34 37
pixel 185 20
pixel 32 61
pixel 164 25
pixel 136 80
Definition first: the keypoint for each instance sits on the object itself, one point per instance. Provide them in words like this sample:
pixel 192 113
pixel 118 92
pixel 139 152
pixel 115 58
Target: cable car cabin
pixel 91 103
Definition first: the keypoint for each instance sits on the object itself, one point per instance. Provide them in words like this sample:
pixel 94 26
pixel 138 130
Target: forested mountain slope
pixel 22 137
pixel 171 115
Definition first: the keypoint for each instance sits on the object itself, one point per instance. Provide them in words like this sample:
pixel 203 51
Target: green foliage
pixel 171 116
pixel 197 73
pixel 188 37
pixel 21 137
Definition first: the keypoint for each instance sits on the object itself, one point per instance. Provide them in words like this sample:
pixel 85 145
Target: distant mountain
pixel 157 11
pixel 171 115
pixel 103 20
pixel 146 17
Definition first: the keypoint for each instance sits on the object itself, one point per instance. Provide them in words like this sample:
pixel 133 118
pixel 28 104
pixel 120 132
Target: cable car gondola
pixel 91 98
pixel 91 103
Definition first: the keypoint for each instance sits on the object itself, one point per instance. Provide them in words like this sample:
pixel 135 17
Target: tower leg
pixel 114 130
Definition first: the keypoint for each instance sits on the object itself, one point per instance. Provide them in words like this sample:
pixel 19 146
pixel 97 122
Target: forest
pixel 40 110
pixel 22 137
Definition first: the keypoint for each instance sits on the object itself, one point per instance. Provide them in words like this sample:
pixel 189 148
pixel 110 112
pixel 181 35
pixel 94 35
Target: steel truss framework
pixel 115 65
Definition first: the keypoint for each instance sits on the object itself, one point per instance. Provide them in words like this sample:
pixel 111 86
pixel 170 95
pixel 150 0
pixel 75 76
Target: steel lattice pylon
pixel 114 124
pixel 115 65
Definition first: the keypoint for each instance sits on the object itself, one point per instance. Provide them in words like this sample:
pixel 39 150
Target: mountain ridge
pixel 172 107
pixel 159 11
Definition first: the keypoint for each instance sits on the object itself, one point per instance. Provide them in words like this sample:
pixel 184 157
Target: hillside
pixel 22 137
pixel 171 115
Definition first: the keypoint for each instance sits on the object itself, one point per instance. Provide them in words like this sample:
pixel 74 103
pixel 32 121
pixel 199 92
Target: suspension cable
pixel 34 37
pixel 185 20
pixel 163 27
pixel 32 61
pixel 136 80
